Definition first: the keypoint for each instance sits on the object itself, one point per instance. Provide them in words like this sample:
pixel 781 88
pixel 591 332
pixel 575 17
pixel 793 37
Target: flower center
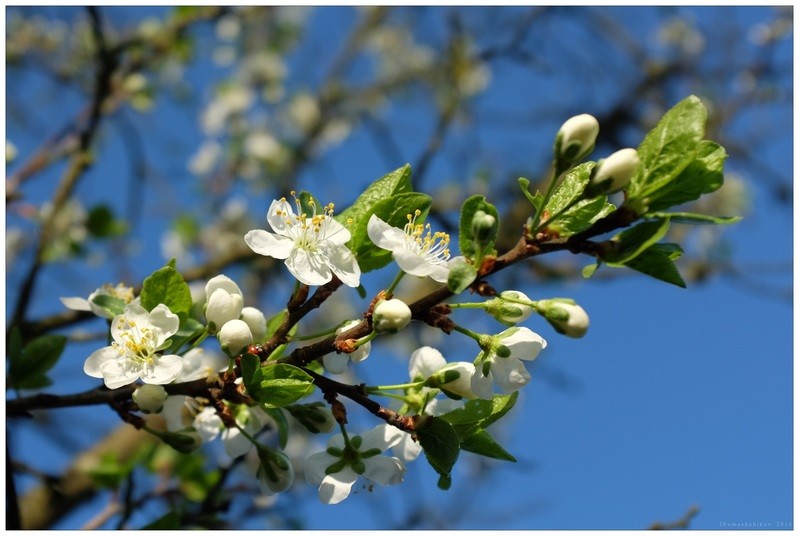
pixel 138 343
pixel 433 247
pixel 307 231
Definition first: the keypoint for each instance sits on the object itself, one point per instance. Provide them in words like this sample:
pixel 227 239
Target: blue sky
pixel 674 398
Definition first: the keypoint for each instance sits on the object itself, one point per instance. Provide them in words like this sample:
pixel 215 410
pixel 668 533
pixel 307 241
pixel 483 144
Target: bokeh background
pixel 676 406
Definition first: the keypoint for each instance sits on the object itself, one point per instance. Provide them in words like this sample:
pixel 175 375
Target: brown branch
pixel 683 523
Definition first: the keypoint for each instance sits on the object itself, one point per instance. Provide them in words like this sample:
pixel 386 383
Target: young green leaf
pixel 282 384
pixel 535 200
pixel 695 219
pixel 658 262
pixel 391 184
pixel 110 304
pixel 440 443
pixel 632 242
pixel 29 369
pixel 570 188
pixel 461 275
pixel 582 216
pixel 167 286
pixel 483 444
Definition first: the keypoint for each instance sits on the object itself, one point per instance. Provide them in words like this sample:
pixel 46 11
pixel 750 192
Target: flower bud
pixel 454 379
pixel 613 173
pixel 256 321
pixel 508 312
pixel 484 225
pixel 275 472
pixel 224 301
pixel 234 336
pixel 391 315
pixel 565 316
pixel 150 398
pixel 576 138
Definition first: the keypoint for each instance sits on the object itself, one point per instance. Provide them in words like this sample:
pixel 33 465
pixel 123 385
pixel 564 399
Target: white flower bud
pixel 256 321
pixel 462 385
pixel 509 312
pixel 566 317
pixel 224 301
pixel 391 315
pixel 234 336
pixel 576 138
pixel 613 173
pixel 150 398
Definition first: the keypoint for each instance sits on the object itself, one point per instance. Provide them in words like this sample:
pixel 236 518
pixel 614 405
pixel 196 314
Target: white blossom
pixel 508 372
pixel 149 398
pixel 361 460
pixel 199 363
pixel 138 337
pixel 122 292
pixel 234 336
pixel 415 248
pixel 391 315
pixel 313 247
pixel 427 362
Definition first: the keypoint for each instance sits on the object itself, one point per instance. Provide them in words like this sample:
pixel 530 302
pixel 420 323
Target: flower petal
pixel 76 304
pixel 207 424
pixel 236 444
pixel 524 343
pixel 268 244
pixel 385 470
pixel 119 372
pixel 334 233
pixel 336 487
pixel 315 466
pixel 407 449
pixel 383 437
pixel 221 282
pixel 509 374
pixel 163 322
pixel 412 263
pixel 425 362
pixel 92 365
pixel 279 222
pixel 335 363
pixel 343 263
pixel 482 386
pixel 308 268
pixel 164 369
pixel 384 235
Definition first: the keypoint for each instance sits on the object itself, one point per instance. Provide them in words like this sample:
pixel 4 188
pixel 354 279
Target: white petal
pixel 411 262
pixel 482 386
pixel 334 233
pixel 439 272
pixel 344 265
pixel 308 268
pixel 440 406
pixel 383 437
pixel 335 363
pixel 207 424
pixel 118 373
pixel 164 369
pixel 268 244
pixel 95 361
pixel 407 449
pixel 76 304
pixel 509 374
pixel 385 470
pixel 524 343
pixel 316 465
pixel 424 362
pixel 164 322
pixel 336 487
pixel 221 282
pixel 278 223
pixel 384 235
pixel 223 307
pixel 176 413
pixel 236 444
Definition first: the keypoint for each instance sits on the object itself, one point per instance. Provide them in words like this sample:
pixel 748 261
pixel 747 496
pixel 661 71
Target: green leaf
pixel 167 286
pixel 696 219
pixel 282 425
pixel 251 374
pixel 440 443
pixel 536 200
pixel 478 414
pixel 483 444
pixel 394 211
pixel 657 262
pixel 391 184
pixel 14 346
pixel 282 385
pixel 110 304
pixel 703 174
pixel 461 275
pixel 189 331
pixel 275 321
pixel 29 369
pixel 309 205
pixel 668 148
pixel 632 242
pixel 582 216
pixel 570 188
pixel 470 247
pixel 589 270
pixel 101 223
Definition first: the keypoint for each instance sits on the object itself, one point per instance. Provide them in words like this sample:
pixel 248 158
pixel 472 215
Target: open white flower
pixel 505 362
pixel 120 291
pixel 313 247
pixel 428 362
pixel 200 363
pixel 336 469
pixel 337 363
pixel 416 249
pixel 138 337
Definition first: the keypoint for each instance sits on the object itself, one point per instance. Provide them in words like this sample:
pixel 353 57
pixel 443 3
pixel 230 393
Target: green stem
pixel 363 340
pixel 345 435
pixel 467 305
pixel 199 340
pixel 397 279
pixel 377 388
pixel 314 335
pixel 468 333
pixel 393 395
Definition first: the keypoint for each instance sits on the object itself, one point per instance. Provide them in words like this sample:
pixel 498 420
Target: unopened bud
pixel 315 417
pixel 613 173
pixel 256 321
pixel 150 398
pixel 234 336
pixel 576 138
pixel 391 316
pixel 484 226
pixel 509 312
pixel 454 379
pixel 565 316
pixel 275 472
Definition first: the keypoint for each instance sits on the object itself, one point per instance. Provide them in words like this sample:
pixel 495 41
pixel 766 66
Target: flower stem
pixel 377 388
pixel 363 340
pixel 393 285
pixel 314 335
pixel 395 396
pixel 467 305
pixel 199 340
pixel 468 332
